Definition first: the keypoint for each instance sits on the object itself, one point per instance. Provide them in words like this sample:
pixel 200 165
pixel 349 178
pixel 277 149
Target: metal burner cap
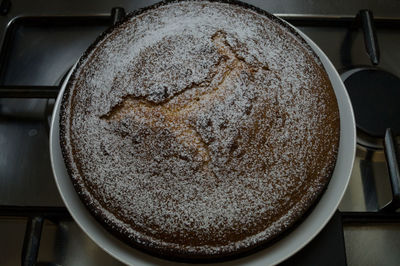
pixel 375 96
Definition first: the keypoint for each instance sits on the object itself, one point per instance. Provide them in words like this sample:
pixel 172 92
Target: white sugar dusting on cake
pixel 197 121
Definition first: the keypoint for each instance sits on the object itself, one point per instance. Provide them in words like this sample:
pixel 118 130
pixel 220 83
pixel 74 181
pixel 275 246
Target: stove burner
pixel 375 95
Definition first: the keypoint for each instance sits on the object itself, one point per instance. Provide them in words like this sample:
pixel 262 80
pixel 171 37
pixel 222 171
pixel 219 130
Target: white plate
pixel 274 254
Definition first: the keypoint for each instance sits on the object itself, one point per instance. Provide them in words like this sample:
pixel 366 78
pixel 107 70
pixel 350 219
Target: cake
pixel 198 130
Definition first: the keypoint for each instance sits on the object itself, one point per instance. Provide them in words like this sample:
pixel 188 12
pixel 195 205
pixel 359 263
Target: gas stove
pixel 41 40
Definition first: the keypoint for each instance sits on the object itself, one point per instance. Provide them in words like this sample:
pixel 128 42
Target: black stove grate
pixel 331 238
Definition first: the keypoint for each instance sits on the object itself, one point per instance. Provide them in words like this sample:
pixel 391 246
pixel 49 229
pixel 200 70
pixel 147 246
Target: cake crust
pixel 198 130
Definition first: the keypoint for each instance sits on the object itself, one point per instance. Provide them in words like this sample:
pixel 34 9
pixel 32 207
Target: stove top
pixel 41 40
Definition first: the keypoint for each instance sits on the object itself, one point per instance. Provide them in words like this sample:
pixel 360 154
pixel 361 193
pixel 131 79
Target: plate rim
pixel 272 254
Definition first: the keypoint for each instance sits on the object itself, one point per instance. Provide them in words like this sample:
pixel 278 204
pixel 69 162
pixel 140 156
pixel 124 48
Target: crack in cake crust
pixel 175 116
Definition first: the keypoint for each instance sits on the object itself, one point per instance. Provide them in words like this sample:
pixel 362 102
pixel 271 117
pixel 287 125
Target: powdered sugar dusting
pixel 202 127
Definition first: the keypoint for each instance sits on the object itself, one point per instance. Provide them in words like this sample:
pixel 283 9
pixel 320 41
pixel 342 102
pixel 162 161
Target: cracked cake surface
pixel 198 129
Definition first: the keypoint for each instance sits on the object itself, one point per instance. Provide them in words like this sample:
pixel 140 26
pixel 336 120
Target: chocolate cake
pixel 198 130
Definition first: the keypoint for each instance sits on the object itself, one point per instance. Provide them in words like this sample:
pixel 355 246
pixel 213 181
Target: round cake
pixel 199 130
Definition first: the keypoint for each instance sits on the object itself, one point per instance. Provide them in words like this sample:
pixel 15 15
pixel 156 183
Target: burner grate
pixel 37 215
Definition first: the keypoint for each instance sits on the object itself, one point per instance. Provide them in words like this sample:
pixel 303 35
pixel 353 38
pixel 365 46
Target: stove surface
pixel 47 37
